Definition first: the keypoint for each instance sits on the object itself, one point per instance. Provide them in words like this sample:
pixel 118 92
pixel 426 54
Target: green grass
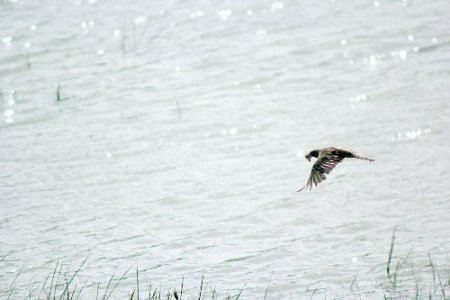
pixel 429 282
pixel 403 279
pixel 59 285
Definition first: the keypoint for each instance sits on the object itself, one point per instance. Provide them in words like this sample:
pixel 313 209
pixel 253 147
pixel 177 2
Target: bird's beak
pixel 308 157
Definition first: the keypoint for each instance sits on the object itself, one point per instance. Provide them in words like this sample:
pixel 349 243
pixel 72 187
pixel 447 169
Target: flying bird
pixel 327 159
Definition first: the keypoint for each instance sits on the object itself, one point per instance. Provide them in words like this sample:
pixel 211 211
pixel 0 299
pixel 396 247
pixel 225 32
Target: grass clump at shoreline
pixel 63 285
pixel 405 273
pixel 403 278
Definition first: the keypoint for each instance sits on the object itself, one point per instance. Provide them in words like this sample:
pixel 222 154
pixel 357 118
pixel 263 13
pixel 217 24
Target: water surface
pixel 170 136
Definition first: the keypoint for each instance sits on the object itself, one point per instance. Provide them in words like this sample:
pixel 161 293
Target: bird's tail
pixel 362 157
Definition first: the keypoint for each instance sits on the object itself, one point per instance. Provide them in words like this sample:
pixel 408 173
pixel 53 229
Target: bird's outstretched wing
pixel 323 165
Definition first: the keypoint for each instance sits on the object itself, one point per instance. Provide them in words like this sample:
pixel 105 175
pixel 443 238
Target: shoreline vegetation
pixel 403 280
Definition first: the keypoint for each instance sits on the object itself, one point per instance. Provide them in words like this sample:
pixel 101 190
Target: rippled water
pixel 170 135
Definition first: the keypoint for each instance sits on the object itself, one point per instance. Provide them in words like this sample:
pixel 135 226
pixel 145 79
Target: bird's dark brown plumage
pixel 327 159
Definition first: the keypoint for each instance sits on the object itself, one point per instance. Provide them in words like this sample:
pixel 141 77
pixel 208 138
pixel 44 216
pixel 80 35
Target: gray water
pixel 170 136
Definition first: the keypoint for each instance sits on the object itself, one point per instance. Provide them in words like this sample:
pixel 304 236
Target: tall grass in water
pixel 58 95
pixel 391 250
pixel 60 285
pixel 406 282
pixel 400 278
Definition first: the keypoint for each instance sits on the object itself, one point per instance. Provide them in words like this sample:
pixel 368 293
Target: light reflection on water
pixel 179 139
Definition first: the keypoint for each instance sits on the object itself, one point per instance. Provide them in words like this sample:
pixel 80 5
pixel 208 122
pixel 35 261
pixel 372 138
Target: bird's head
pixel 314 153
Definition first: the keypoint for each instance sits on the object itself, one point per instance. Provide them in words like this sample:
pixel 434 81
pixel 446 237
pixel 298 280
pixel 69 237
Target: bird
pixel 327 159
